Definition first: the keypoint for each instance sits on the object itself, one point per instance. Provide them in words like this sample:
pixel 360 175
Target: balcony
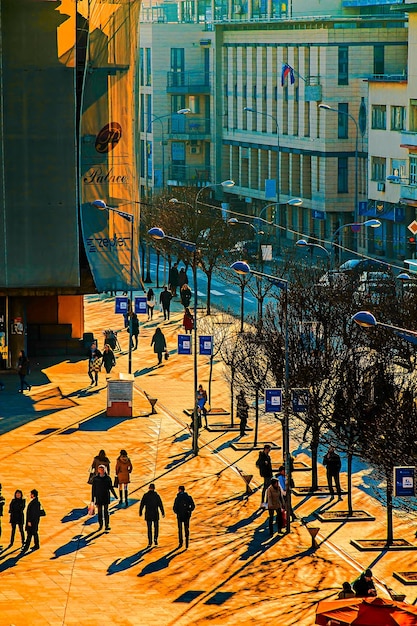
pixel 180 83
pixel 189 127
pixel 189 175
pixel 408 192
pixel 408 139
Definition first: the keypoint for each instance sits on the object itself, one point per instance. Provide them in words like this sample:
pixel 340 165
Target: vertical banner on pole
pixel 300 398
pixel 273 400
pixel 404 482
pixel 184 344
pixel 206 345
pixel 140 305
pixel 121 305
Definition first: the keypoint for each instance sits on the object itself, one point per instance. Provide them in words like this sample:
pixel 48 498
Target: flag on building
pixel 287 69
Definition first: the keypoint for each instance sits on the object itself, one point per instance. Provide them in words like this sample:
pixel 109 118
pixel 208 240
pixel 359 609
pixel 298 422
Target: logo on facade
pixel 108 137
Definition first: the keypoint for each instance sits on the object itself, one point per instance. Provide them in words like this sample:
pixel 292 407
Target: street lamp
pixel 372 223
pixel 366 319
pixel 326 107
pixel 158 233
pixel 129 217
pixel 302 243
pixel 242 268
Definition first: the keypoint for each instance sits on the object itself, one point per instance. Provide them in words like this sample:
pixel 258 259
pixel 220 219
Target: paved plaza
pixel 232 572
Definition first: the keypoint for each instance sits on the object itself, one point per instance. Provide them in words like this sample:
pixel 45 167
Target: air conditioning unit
pixel 195 146
pixel 380 186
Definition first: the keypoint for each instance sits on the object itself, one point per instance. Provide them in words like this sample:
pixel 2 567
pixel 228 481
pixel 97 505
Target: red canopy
pixel 366 612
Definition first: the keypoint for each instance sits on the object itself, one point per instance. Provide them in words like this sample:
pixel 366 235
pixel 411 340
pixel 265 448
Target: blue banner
pixel 300 398
pixel 121 305
pixel 273 400
pixel 404 482
pixel 184 344
pixel 206 345
pixel 140 305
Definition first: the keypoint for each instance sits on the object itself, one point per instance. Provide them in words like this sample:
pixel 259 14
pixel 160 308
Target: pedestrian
pixel 242 412
pixel 185 293
pixel 150 303
pixel 123 469
pixel 188 321
pixel 165 298
pixel 159 344
pixel 347 592
pixel 100 459
pixel 128 311
pixel 23 369
pixel 173 278
pixel 283 486
pixel 100 495
pixel 264 464
pixel 134 331
pixel 202 404
pixel 364 585
pixel 332 463
pixel 152 504
pixel 34 512
pixel 2 503
pixel 94 363
pixel 183 508
pixel 17 515
pixel 182 278
pixel 109 360
pixel 275 504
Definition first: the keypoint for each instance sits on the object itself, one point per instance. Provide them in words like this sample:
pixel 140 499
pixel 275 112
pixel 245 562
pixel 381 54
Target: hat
pixel 102 466
pixel 368 573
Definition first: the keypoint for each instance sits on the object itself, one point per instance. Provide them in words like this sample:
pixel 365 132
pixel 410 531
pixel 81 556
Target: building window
pixel 343 120
pixel 397 118
pixel 141 67
pixel 399 168
pixel 342 175
pixel 379 60
pixel 413 115
pixel 378 169
pixel 148 66
pixel 343 65
pixel 379 115
pixel 194 104
pixel 413 170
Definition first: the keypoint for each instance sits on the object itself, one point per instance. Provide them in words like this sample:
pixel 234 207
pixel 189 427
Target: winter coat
pixel 33 514
pixel 109 360
pixel 185 296
pixel 264 464
pixel 274 498
pixel 188 322
pixel 183 505
pixel 182 277
pixel 165 299
pixel 101 488
pixel 23 366
pixel 135 326
pixel 152 503
pixel 362 587
pixel 123 469
pixel 100 461
pixel 94 364
pixel 16 510
pixel 332 463
pixel 158 342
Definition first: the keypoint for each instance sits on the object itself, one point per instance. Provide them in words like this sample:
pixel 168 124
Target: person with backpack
pixel 183 508
pixel 264 465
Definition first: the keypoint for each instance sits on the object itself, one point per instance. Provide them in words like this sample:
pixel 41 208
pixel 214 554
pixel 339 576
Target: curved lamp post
pixel 158 233
pixel 366 319
pixel 241 267
pixel 372 223
pixel 302 243
pixel 129 217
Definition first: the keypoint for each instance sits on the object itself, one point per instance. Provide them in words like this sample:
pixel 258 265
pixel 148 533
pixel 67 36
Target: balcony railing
pixel 188 82
pixel 196 127
pixel 188 175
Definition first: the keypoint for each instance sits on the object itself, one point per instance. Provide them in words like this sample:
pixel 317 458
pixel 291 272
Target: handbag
pixel 116 482
pixel 284 517
pixel 42 512
pixel 91 478
pixel 91 508
pixel 166 356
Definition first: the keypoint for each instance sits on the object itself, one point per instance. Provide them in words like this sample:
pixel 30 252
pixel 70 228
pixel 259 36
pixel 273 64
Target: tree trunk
pixel 210 377
pixel 158 258
pixel 349 483
pixel 255 441
pixel 242 305
pixel 209 276
pixel 390 528
pixel 148 278
pixel 315 440
pixel 232 395
pixel 142 250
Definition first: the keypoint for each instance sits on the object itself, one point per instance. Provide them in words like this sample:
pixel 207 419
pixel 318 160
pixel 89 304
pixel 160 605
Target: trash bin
pixel 120 396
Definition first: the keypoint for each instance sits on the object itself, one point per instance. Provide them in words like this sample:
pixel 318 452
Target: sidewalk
pixel 232 572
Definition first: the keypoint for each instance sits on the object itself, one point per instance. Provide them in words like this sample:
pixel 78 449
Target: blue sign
pixel 184 344
pixel 122 305
pixel 140 305
pixel 206 345
pixel 273 400
pixel 300 398
pixel 404 482
pixel 318 215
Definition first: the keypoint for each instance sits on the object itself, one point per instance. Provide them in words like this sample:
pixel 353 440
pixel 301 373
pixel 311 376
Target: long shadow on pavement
pixel 120 565
pixel 76 543
pixel 158 565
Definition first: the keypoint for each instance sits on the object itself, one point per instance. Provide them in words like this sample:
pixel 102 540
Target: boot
pixel 126 501
pixel 120 497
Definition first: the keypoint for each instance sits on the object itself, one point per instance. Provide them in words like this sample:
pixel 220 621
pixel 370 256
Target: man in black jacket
pixel 165 298
pixel 364 585
pixel 332 463
pixel 183 508
pixel 264 465
pixel 34 512
pixel 152 502
pixel 100 494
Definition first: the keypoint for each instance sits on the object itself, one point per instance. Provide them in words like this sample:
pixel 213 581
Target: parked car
pixel 357 266
pixel 373 288
pixel 333 279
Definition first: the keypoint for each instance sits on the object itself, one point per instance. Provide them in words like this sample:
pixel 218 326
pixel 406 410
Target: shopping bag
pixel 91 508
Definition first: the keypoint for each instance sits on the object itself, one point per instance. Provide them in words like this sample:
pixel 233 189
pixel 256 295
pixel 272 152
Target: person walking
pixel 150 303
pixel 333 464
pixel 159 344
pixel 183 508
pixel 34 512
pixel 182 278
pixel 165 298
pixel 100 459
pixel 201 403
pixel 134 328
pixel 185 293
pixel 100 495
pixel 173 279
pixel 123 469
pixel 188 321
pixel 17 515
pixel 264 464
pixel 152 504
pixel 364 585
pixel 283 486
pixel 94 363
pixel 2 503
pixel 275 504
pixel 23 371
pixel 109 360
pixel 242 412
